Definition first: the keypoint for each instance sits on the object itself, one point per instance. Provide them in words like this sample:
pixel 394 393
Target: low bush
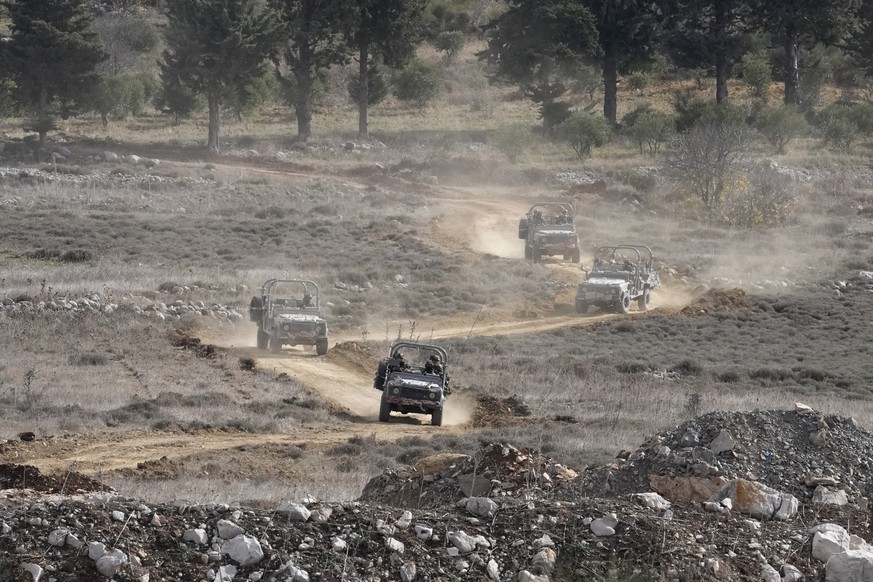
pixel 584 131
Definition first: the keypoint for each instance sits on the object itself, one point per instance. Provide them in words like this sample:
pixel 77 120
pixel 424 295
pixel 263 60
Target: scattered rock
pixel 757 499
pixel 652 501
pixel 850 566
pixel 111 562
pixel 824 495
pixel 828 539
pixel 243 549
pixel 604 526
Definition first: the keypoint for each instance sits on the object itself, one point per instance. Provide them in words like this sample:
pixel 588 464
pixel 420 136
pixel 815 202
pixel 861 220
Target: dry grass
pixel 592 391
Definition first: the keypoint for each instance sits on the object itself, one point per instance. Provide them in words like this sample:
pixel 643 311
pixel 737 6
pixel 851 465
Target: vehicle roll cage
pixel 396 347
pixel 610 250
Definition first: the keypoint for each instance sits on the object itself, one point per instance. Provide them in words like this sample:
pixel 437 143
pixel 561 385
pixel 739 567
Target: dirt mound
pixel 355 355
pixel 791 451
pixel 497 470
pixel 493 411
pixel 28 477
pixel 717 300
pixel 180 339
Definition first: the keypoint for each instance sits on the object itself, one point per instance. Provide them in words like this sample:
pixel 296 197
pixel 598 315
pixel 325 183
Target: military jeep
pixel 413 378
pixel 288 312
pixel 549 229
pixel 620 274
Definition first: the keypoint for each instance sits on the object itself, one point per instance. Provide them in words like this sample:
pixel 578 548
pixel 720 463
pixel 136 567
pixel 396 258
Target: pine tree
pixel 627 30
pixel 709 34
pixel 538 44
pixel 381 30
pixel 792 23
pixel 51 57
pixel 215 48
pixel 312 31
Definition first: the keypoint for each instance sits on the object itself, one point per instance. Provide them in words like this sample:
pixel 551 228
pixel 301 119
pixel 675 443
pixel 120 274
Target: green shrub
pixel 512 141
pixel 837 126
pixel 418 83
pixel 638 81
pixel 117 96
pixel 757 72
pixel 553 114
pixel 862 115
pixel 449 42
pixel 648 128
pixel 781 124
pixel 584 131
pixel 691 112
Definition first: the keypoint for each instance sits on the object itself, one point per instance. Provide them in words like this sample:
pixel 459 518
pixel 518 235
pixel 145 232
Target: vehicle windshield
pixel 609 259
pixel 294 296
pixel 553 217
pixel 421 359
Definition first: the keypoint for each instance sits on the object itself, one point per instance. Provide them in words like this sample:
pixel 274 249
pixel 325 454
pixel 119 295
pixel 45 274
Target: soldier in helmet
pixel 433 365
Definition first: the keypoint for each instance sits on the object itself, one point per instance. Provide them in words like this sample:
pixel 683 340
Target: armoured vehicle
pixel 620 274
pixel 413 378
pixel 549 229
pixel 288 312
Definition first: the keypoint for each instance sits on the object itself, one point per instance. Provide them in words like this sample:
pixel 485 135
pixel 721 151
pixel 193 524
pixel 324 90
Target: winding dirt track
pixel 345 385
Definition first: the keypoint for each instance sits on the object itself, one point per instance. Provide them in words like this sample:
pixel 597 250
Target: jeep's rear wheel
pixel 275 345
pixel 321 347
pixel 436 417
pixel 522 228
pixel 644 300
pixel 581 306
pixel 263 339
pixel 384 412
pixel 624 303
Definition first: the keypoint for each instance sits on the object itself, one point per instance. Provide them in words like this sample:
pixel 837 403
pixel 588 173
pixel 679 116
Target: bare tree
pixel 709 161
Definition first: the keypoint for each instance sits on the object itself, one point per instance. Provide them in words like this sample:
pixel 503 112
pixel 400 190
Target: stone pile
pixel 498 470
pixel 94 304
pixel 101 536
pixel 814 457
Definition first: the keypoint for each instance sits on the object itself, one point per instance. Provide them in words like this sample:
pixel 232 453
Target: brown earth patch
pixel 14 476
pixel 717 300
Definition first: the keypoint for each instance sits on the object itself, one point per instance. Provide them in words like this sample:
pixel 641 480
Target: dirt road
pixel 474 220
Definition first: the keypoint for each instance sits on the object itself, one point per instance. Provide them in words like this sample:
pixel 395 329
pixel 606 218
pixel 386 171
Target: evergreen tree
pixel 793 23
pixel 538 44
pixel 312 39
pixel 860 43
pixel 627 30
pixel 51 57
pixel 383 30
pixel 709 34
pixel 215 48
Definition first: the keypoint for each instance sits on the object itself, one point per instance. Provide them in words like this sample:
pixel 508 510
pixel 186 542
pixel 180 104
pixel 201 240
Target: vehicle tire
pixel 577 257
pixel 381 373
pixel 384 411
pixel 321 347
pixel 624 303
pixel 535 255
pixel 256 309
pixel 275 345
pixel 581 307
pixel 644 300
pixel 436 417
pixel 522 228
pixel 263 339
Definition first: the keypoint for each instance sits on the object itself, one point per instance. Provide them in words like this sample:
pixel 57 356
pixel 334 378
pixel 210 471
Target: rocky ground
pixel 768 495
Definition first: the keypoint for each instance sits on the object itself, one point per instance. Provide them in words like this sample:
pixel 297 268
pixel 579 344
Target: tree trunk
pixel 304 96
pixel 42 117
pixel 722 64
pixel 214 142
pixel 792 72
pixel 364 87
pixel 610 85
pixel 722 73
